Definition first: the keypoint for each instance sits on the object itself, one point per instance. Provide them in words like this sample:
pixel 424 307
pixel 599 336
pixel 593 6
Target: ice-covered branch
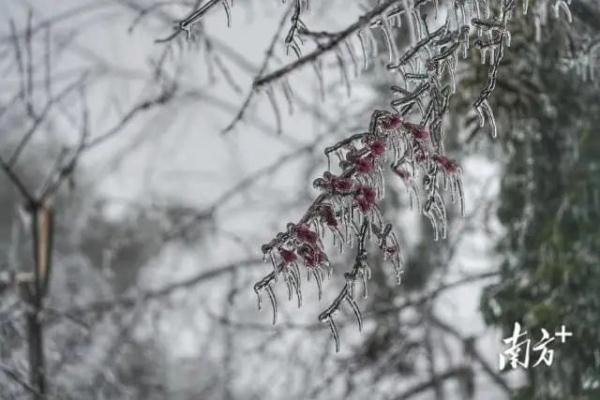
pixel 185 24
pixel 347 209
pixel 409 140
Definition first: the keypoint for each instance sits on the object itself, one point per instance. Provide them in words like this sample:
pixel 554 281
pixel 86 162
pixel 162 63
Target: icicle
pixel 397 260
pixel 334 333
pixel 343 72
pixel 439 210
pixel 319 72
pixel 391 44
pixel 350 288
pixel 398 19
pixel 372 43
pixel 415 193
pixel 461 5
pixel 450 69
pixel 490 117
pixel 436 233
pixel 352 58
pixel 461 196
pixel 287 91
pixel 275 107
pixel 377 214
pixel 483 51
pixel 356 310
pixel 318 224
pixel 450 185
pixel 561 5
pixel 259 298
pixel 525 6
pixel 538 28
pixel 416 14
pixel 273 300
pixel 227 12
pixel 480 116
pixel 508 38
pixel 274 264
pixel 365 286
pixel 364 51
pixel 296 284
pixel 465 40
pixel 319 283
pixel 296 270
pixel 289 287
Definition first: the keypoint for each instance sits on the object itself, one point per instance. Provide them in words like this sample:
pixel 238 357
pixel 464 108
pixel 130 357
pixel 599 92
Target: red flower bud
pixel 368 192
pixel 419 132
pixel 364 165
pixel 365 198
pixel 450 166
pixel 363 204
pixel 304 234
pixel 328 216
pixel 288 256
pixel 312 257
pixel 342 184
pixel 377 148
pixel 392 122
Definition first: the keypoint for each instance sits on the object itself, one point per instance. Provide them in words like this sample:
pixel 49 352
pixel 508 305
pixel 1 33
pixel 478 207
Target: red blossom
pixel 450 166
pixel 365 198
pixel 419 132
pixel 364 165
pixel 377 148
pixel 363 204
pixel 328 216
pixel 312 257
pixel 342 184
pixel 304 234
pixel 392 122
pixel 368 192
pixel 288 256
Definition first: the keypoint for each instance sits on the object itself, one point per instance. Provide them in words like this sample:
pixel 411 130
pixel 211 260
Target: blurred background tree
pixel 549 202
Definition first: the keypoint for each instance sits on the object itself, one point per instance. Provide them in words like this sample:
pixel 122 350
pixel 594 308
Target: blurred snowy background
pixel 159 228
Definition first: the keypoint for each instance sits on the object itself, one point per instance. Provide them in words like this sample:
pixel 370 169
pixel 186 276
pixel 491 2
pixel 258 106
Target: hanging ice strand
pixel 265 284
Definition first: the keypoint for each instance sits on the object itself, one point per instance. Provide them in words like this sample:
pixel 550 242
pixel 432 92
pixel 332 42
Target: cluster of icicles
pixel 347 209
pixel 467 23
